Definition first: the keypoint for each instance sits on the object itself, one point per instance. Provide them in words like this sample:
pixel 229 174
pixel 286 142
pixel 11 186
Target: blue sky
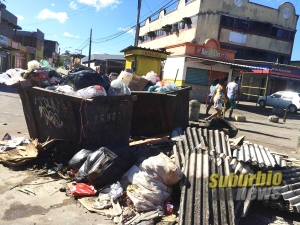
pixel 69 21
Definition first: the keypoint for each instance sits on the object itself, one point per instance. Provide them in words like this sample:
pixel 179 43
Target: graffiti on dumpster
pixel 49 110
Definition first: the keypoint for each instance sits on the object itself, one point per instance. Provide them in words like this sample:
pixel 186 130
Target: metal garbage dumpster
pixel 158 113
pixel 82 123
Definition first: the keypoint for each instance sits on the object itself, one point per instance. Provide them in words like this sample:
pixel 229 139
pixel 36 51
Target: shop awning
pixel 206 61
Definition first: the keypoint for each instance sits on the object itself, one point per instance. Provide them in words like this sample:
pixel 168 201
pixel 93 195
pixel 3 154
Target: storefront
pixel 271 78
pixel 198 65
pixel 5 54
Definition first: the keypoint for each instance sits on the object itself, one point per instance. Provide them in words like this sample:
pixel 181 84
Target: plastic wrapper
pixel 116 191
pixel 151 76
pixel 95 164
pixel 81 189
pixel 105 166
pixel 150 186
pixel 65 89
pixel 118 88
pixel 79 158
pixel 92 91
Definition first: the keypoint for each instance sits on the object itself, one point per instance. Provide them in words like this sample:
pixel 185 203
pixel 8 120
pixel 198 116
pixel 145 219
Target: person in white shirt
pixel 233 96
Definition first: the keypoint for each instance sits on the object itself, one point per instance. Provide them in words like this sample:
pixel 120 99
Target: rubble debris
pixel 240 118
pixel 274 119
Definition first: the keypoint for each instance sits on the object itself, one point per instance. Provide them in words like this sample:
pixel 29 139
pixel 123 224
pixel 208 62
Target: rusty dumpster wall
pixel 159 113
pixel 101 121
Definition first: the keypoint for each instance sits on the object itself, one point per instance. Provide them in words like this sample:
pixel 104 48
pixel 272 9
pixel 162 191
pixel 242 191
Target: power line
pixel 116 35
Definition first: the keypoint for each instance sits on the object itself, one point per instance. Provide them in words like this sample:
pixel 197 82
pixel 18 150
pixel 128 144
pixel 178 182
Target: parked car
pixel 284 99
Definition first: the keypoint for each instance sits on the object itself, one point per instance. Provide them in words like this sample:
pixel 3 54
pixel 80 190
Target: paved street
pixel 50 206
pixel 278 137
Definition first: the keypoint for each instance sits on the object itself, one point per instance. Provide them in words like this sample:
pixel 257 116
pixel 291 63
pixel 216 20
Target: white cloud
pixel 52 4
pixel 47 14
pixel 95 53
pixel 20 17
pixel 98 4
pixel 73 5
pixel 54 35
pixel 129 30
pixel 66 34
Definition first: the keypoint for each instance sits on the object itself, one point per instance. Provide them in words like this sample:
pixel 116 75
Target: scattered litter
pixel 82 189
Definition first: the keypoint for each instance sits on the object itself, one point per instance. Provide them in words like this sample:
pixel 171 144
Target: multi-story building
pixel 51 51
pixel 34 42
pixel 203 35
pixel 8 26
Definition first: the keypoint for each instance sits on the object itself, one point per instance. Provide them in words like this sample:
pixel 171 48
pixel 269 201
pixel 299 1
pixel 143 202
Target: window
pixel 276 95
pixel 281 33
pixel 159 33
pixel 225 46
pixel 227 21
pixel 260 28
pixel 239 52
pixel 240 24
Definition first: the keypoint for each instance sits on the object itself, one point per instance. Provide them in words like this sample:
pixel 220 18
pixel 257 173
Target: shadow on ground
pixel 7 89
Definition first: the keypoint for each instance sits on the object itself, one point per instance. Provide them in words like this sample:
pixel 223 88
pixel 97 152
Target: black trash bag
pixel 79 158
pixel 82 78
pixel 218 123
pixel 105 166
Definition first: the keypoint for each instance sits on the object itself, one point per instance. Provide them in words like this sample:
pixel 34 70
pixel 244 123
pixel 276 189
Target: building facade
pixel 8 26
pixel 105 63
pixel 50 51
pixel 252 31
pixel 34 43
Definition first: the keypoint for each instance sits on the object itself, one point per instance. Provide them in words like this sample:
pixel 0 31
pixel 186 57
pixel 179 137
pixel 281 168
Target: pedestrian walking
pixel 218 98
pixel 211 89
pixel 233 96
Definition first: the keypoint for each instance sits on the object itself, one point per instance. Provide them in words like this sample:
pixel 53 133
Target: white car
pixel 283 99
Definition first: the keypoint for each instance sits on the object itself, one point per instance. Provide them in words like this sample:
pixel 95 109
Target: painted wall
pixel 183 10
pixel 209 14
pixel 260 42
pixel 170 69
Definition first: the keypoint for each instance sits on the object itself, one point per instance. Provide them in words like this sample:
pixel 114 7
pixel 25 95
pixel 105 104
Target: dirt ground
pixel 50 206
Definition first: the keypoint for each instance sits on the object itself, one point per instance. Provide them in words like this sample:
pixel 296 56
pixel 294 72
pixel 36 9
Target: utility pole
pixel 137 27
pixel 90 49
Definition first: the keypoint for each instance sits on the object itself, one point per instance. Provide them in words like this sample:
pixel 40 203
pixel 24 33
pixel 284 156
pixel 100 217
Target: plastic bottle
pixel 169 208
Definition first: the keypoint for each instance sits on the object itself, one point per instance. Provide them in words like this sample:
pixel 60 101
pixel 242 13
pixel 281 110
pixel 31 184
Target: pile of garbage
pixel 127 184
pixel 139 194
pixel 83 82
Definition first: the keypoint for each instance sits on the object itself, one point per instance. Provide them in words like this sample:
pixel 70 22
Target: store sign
pixel 284 70
pixel 14 44
pixel 152 54
pixel 3 40
pixel 30 49
pixel 211 53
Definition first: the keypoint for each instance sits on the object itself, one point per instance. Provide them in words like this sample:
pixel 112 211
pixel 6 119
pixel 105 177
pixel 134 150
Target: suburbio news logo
pixel 262 186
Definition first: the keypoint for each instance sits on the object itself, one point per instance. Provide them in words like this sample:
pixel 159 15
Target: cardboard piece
pixel 138 83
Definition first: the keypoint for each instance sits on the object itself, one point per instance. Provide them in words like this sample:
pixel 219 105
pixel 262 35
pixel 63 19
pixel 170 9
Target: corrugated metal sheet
pixel 199 59
pixel 257 155
pixel 196 76
pixel 289 190
pixel 196 155
pixel 201 153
